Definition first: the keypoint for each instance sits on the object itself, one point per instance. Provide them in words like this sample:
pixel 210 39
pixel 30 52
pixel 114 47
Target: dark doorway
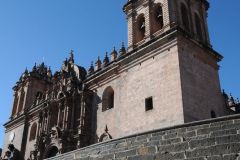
pixel 52 152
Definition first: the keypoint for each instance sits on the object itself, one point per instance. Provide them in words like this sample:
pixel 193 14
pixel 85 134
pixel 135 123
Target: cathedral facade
pixel 168 75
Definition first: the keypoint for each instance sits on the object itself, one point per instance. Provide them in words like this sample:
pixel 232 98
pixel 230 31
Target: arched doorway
pixel 51 152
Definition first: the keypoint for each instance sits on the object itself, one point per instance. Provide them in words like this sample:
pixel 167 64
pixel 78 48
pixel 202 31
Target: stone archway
pixel 51 152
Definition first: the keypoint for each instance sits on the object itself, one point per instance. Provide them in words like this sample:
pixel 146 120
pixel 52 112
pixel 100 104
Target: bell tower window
pixel 185 17
pixel 157 18
pixel 198 27
pixel 141 28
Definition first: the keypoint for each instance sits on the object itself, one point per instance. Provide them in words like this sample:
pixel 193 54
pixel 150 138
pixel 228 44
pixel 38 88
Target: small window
pixel 213 114
pixel 148 104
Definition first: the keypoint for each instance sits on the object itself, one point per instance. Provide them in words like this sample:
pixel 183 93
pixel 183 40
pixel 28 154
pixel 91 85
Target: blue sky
pixel 43 30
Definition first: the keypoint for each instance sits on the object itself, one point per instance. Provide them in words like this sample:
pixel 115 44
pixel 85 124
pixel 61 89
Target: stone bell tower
pixel 175 32
pixel 149 18
pixel 27 92
pixel 31 85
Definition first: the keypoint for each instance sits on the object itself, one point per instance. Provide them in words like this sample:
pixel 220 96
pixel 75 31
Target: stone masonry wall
pixel 157 77
pixel 200 83
pixel 18 130
pixel 216 139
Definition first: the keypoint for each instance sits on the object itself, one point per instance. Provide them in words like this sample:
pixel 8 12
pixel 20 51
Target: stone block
pixel 141 157
pixel 169 156
pixel 202 143
pixel 174 147
pixel 228 139
pixel 207 130
pixel 126 153
pixel 170 141
pixel 223 132
pixel 146 150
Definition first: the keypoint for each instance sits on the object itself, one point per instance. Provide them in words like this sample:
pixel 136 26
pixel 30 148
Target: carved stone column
pixel 147 5
pixel 64 115
pixel 73 114
pixel 49 120
pixel 67 117
pixel 59 115
pixel 45 120
pixel 81 123
pixel 40 124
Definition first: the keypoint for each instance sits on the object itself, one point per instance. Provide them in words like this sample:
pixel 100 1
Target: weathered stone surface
pixel 210 144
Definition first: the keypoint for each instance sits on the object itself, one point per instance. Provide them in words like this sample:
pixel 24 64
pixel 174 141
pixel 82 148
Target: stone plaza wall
pixel 215 139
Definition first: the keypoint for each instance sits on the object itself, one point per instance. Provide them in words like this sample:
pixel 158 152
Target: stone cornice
pixel 14 123
pixel 125 60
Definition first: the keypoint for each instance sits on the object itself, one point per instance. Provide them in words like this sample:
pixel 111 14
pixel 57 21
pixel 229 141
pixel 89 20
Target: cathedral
pixel 166 76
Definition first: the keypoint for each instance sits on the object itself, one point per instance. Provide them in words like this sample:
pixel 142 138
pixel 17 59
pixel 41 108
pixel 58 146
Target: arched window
pixel 198 27
pixel 33 132
pixel 141 28
pixel 185 17
pixel 157 18
pixel 108 99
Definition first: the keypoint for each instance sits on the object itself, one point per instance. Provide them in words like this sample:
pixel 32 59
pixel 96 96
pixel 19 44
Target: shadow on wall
pixel 95 103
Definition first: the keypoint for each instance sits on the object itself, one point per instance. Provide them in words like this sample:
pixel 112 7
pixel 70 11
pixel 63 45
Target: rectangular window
pixel 148 104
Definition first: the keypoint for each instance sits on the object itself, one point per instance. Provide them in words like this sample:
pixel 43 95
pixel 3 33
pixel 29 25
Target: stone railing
pixel 215 139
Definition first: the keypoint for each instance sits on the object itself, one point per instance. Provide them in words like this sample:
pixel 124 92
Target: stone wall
pixel 215 139
pixel 201 91
pixel 155 75
pixel 18 136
